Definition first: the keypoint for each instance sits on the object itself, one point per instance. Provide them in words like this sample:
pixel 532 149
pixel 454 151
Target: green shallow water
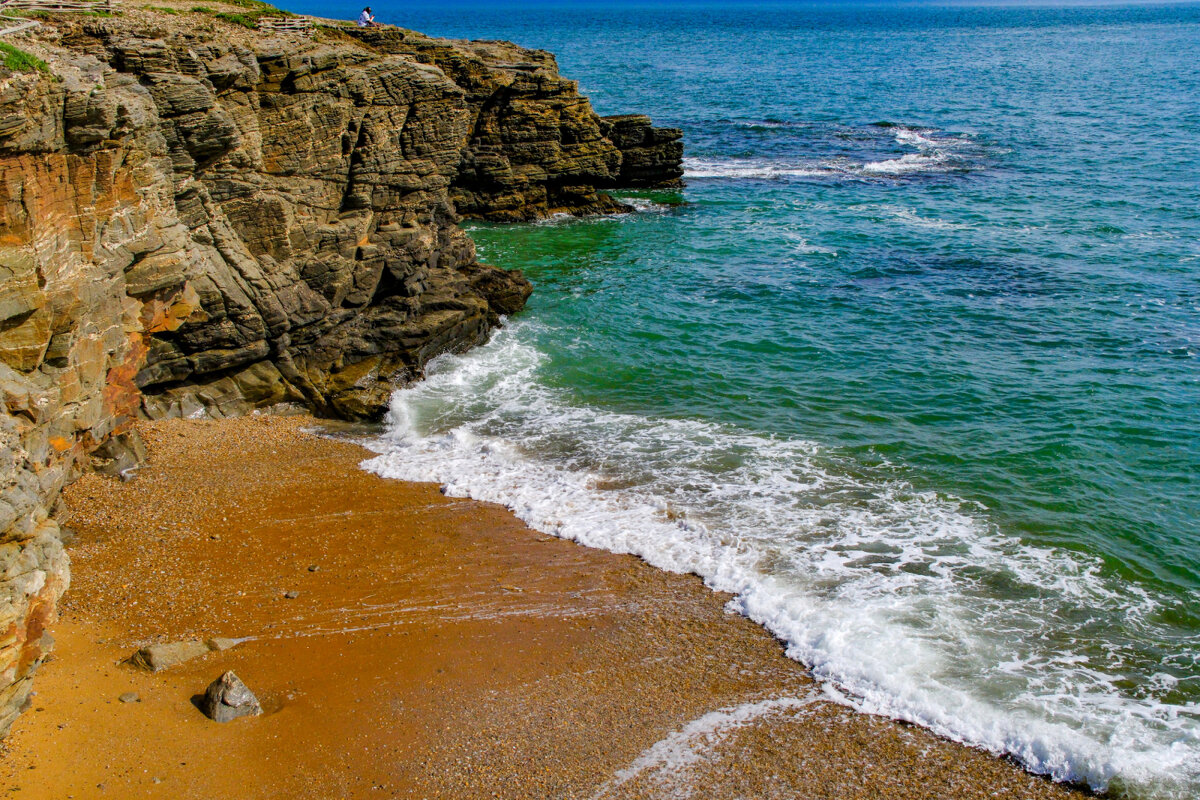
pixel 956 250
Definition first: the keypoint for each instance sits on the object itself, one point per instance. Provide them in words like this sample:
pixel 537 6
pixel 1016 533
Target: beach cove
pixel 439 649
pixel 880 432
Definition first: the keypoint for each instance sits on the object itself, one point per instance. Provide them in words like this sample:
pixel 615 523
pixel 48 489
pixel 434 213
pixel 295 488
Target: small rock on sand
pixel 291 595
pixel 227 698
pixel 129 697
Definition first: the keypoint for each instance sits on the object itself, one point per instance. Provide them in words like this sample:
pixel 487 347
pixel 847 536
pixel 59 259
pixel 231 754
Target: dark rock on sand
pixel 227 698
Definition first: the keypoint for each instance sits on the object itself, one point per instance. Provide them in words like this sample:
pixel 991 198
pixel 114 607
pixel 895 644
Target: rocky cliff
pixel 199 219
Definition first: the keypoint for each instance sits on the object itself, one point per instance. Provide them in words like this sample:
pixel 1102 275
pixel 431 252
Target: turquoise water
pixel 914 369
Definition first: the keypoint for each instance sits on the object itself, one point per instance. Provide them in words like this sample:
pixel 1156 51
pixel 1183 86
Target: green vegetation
pixel 20 61
pixel 247 20
pixel 164 9
pixel 255 10
pixel 260 8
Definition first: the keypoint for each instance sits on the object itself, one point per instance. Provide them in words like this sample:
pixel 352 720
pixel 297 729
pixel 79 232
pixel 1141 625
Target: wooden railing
pixel 19 24
pixel 55 5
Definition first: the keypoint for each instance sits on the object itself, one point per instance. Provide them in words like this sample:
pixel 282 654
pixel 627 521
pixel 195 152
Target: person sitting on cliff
pixel 367 20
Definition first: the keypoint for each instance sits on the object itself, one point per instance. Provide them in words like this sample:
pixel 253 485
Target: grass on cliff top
pixel 249 20
pixel 255 10
pixel 20 61
pixel 257 5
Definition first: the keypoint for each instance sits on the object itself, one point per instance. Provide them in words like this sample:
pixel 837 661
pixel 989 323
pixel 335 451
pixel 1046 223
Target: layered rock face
pixel 536 148
pixel 197 225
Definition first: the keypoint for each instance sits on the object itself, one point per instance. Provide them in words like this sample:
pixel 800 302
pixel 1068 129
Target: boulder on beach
pixel 219 643
pixel 227 698
pixel 158 657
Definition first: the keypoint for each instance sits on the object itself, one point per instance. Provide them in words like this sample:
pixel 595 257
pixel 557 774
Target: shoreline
pixel 435 647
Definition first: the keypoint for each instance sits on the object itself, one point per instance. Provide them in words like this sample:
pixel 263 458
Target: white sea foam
pixel 909 217
pixel 803 246
pixel 767 124
pixel 907 603
pixel 644 205
pixel 665 760
pixel 640 205
pixel 932 156
pixel 758 168
pixel 557 218
pixel 909 163
pixel 1165 236
pixel 913 136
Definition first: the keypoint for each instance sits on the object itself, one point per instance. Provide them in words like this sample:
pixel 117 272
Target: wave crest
pixel 908 603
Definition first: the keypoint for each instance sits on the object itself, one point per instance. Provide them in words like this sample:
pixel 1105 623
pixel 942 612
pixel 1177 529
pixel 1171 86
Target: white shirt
pixel 365 19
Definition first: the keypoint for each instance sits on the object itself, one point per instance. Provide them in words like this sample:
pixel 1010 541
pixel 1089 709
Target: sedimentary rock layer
pixel 198 221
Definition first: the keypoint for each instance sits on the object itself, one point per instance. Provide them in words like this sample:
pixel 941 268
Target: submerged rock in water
pixel 227 698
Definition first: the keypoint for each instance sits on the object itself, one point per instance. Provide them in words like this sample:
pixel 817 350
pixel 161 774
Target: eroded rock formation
pixel 197 224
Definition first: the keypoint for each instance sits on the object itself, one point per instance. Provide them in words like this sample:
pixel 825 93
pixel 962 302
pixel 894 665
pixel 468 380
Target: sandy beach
pixel 433 647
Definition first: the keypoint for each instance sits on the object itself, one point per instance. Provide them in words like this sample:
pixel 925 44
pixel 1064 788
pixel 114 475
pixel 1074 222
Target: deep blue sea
pixel 914 370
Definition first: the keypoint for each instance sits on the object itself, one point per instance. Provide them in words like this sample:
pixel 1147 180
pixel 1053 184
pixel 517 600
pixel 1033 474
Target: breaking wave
pixel 907 603
pixel 932 153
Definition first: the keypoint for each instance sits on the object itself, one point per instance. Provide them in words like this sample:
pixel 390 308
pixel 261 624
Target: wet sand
pixel 435 648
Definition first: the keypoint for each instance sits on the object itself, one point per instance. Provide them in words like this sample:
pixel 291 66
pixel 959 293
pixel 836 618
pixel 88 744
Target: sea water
pixel 911 367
